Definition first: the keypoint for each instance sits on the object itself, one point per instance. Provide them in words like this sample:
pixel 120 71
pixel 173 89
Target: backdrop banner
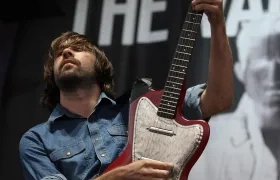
pixel 139 37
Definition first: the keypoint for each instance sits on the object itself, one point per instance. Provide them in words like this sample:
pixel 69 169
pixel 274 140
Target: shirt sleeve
pixel 191 106
pixel 35 162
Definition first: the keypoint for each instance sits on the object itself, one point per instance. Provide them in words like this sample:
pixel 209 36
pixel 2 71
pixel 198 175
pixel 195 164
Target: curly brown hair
pixel 103 67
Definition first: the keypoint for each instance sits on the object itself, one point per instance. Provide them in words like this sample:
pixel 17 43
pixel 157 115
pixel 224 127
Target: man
pixel 245 144
pixel 87 128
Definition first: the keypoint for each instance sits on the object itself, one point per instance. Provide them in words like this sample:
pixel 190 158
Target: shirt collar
pixel 59 110
pixel 248 121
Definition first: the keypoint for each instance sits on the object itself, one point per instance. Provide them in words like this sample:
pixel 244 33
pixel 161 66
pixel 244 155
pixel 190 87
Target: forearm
pixel 220 76
pixel 114 174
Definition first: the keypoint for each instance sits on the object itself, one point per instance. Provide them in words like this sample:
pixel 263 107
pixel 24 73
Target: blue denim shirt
pixel 72 147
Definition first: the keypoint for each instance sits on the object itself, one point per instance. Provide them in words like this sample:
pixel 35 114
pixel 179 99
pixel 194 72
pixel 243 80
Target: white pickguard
pixel 176 149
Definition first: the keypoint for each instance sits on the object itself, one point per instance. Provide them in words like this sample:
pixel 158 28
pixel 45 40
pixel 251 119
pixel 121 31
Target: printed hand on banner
pixel 212 8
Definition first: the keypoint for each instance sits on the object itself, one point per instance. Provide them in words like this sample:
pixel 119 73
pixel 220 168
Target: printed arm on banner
pixel 218 95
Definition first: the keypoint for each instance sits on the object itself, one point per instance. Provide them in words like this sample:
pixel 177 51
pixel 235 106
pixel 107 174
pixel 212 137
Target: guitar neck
pixel 178 69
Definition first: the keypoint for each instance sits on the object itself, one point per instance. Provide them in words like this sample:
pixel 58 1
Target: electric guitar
pixel 157 129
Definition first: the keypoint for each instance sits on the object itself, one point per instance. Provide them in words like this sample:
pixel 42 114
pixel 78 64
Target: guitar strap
pixel 140 87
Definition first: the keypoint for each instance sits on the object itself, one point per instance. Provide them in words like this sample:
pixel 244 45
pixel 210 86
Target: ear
pixel 238 70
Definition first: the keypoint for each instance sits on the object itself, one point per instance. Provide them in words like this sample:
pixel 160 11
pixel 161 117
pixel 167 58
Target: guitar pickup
pixel 161 131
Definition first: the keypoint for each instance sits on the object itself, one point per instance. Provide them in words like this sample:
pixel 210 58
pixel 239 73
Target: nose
pixel 67 52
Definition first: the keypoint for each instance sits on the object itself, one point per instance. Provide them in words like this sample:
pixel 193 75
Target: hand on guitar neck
pixel 212 8
pixel 140 170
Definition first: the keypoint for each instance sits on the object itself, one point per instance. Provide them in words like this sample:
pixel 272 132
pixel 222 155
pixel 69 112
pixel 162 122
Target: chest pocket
pixel 71 156
pixel 119 135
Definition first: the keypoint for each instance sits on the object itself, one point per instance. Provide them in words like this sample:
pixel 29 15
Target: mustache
pixel 69 60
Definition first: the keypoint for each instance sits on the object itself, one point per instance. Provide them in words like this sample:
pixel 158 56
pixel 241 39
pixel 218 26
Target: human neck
pixel 81 101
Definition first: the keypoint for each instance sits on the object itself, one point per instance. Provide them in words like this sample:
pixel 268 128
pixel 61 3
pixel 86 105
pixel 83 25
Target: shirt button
pixel 68 153
pixel 102 155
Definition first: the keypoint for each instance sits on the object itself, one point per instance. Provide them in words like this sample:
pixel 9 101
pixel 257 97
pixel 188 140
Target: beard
pixel 71 80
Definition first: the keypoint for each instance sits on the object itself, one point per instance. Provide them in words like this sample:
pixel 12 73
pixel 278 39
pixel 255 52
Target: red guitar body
pixel 155 97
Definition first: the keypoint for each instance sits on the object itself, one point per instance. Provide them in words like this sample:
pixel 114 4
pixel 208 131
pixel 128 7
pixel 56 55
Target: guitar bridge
pixel 161 131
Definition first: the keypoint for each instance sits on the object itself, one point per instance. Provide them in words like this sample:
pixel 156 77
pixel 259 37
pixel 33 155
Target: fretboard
pixel 178 68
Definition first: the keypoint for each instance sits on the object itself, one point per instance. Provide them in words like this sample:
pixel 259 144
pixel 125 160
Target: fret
pixel 187 38
pixel 181 59
pixel 173 87
pixel 185 46
pixel 170 86
pixel 195 14
pixel 188 30
pixel 168 101
pixel 169 90
pixel 174 74
pixel 192 22
pixel 170 93
pixel 168 109
pixel 165 112
pixel 170 96
pixel 168 105
pixel 177 67
pixel 174 101
pixel 176 77
pixel 178 71
pixel 186 42
pixel 173 82
pixel 182 53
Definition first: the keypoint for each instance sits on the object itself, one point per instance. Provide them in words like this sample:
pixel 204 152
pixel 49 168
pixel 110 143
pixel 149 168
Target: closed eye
pixel 58 54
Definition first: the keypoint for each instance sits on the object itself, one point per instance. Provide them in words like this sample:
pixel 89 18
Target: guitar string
pixel 179 56
pixel 193 21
